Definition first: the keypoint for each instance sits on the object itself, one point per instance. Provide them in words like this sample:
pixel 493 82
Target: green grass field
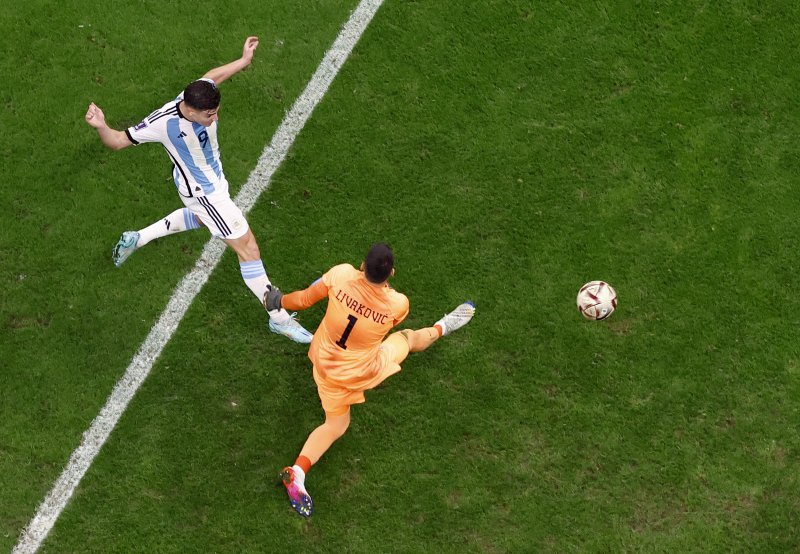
pixel 509 151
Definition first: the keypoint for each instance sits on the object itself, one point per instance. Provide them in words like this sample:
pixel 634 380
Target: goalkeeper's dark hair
pixel 379 263
pixel 202 95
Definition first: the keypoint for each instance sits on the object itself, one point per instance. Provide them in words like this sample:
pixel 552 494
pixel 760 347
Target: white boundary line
pixel 93 438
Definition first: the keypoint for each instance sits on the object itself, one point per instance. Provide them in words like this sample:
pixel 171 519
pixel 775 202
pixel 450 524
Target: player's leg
pixel 255 277
pixel 321 438
pixel 421 339
pixel 318 442
pixel 176 222
pixel 225 220
pixel 252 268
pixel 399 344
pixel 456 319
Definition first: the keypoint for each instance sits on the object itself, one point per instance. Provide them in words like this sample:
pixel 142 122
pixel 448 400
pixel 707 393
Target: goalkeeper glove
pixel 272 298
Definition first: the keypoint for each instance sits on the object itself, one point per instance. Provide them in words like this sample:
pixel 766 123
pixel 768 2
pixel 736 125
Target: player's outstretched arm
pixel 115 140
pixel 223 72
pixel 274 299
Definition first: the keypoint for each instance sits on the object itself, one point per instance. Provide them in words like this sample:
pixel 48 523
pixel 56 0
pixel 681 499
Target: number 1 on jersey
pixel 351 322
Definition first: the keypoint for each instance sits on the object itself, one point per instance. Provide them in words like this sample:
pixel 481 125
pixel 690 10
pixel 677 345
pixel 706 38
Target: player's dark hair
pixel 379 263
pixel 202 95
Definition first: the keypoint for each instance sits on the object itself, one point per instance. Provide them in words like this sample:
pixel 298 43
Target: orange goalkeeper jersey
pixel 344 350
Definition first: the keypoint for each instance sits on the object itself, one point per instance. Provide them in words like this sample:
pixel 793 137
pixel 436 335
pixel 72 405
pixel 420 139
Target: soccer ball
pixel 597 300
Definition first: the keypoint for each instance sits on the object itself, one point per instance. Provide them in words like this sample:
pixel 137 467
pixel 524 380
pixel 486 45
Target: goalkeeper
pixel 348 351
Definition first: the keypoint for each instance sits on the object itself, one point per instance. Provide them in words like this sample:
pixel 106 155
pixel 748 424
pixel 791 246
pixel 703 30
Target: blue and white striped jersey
pixel 194 150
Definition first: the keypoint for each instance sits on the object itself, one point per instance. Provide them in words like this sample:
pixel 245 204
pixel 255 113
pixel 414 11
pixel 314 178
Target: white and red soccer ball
pixel 597 300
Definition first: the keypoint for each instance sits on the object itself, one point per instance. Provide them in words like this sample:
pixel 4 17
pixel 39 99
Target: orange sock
pixel 438 329
pixel 304 463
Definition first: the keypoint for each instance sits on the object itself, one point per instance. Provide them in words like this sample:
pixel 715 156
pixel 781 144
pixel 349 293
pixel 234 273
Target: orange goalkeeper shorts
pixel 337 399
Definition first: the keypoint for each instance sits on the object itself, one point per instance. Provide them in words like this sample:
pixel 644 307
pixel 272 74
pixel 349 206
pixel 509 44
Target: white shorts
pixel 218 212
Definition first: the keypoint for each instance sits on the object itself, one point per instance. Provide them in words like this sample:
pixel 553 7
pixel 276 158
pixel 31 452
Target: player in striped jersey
pixel 349 353
pixel 187 129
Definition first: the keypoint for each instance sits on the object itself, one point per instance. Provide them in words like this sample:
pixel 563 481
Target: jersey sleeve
pixel 302 299
pixel 143 132
pixel 401 308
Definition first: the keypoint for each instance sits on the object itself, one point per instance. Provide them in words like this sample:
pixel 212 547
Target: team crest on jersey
pixel 141 125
